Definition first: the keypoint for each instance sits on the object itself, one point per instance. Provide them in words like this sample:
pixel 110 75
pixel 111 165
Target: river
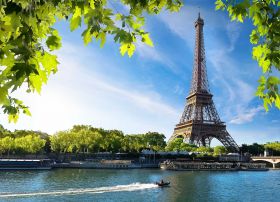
pixel 138 185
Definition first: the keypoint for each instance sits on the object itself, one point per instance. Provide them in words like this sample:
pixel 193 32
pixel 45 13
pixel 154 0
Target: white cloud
pixel 80 94
pixel 233 32
pixel 182 23
pixel 152 53
pixel 246 116
pixel 178 90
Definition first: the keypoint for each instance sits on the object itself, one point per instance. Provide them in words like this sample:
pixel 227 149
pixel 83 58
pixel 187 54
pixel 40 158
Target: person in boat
pixel 162 183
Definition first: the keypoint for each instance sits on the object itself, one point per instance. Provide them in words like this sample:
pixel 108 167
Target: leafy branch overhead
pixel 265 16
pixel 27 37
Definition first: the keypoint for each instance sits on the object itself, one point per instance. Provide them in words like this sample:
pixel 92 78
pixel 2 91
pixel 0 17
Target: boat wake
pixel 98 190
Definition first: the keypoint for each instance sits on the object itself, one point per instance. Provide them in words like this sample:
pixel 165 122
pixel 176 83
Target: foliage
pixel 266 40
pixel 273 147
pixel 255 149
pixel 178 144
pixel 206 150
pixel 4 132
pixel 87 139
pixel 218 150
pixel 29 144
pixel 28 38
pixel 6 144
pixel 83 138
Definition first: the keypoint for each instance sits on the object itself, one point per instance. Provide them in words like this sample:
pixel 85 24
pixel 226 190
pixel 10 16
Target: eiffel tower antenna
pixel 200 122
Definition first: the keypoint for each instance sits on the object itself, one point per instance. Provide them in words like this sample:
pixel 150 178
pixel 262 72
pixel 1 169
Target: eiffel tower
pixel 200 122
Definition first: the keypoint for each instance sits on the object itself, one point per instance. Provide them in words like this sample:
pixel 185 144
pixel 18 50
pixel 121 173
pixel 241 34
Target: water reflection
pixel 85 185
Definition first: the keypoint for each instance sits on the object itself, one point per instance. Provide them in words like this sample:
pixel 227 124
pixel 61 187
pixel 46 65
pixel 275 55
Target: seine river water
pixel 138 185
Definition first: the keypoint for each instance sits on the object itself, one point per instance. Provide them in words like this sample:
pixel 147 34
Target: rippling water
pixel 138 185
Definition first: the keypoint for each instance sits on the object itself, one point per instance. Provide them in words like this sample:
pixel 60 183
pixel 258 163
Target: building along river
pixel 138 185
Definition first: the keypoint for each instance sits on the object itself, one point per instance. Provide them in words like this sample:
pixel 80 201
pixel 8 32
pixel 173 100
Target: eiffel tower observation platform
pixel 200 121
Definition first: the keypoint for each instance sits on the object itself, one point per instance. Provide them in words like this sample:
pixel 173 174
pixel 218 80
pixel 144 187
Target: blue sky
pixel 147 92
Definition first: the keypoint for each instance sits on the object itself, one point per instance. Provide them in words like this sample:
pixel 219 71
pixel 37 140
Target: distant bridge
pixel 271 159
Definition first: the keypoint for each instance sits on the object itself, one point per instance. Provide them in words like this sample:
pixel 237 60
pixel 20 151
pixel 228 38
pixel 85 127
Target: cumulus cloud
pixel 233 32
pixel 153 54
pixel 247 116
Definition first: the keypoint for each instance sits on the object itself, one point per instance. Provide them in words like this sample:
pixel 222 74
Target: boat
pixel 163 184
pixel 26 164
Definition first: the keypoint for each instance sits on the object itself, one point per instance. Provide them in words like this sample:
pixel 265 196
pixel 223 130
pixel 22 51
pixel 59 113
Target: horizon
pixel 147 92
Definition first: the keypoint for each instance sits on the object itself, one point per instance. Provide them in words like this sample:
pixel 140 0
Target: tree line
pixel 88 139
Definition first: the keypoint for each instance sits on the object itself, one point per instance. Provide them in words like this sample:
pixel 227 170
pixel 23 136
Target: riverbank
pixel 47 164
pixel 102 165
pixel 213 166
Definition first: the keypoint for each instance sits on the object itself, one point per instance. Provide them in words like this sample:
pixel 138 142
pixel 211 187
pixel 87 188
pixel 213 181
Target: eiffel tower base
pixel 201 134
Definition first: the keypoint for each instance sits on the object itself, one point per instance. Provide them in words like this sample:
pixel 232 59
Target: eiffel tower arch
pixel 200 121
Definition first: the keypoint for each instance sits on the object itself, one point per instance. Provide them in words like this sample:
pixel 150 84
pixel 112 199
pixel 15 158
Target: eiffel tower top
pixel 199 78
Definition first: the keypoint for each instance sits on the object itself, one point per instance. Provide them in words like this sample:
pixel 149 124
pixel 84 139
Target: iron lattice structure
pixel 200 122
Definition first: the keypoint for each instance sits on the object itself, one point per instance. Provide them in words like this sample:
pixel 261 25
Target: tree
pixel 178 144
pixel 29 144
pixel 95 141
pixel 62 141
pixel 8 144
pixel 27 37
pixel 2 147
pixel 4 132
pixel 188 147
pixel 203 149
pixel 218 150
pixel 254 149
pixel 154 141
pixel 174 145
pixel 266 40
pixel 134 143
pixel 273 147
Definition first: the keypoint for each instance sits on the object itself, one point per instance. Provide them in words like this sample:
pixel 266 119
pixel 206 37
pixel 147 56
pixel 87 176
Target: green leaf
pixel 91 3
pixel 54 41
pixel 123 49
pixel 76 19
pixel 254 38
pixel 240 18
pixel 87 36
pixel 273 80
pixel 49 62
pixel 219 5
pixel 146 39
pixel 277 101
pixel 13 118
pixel 130 49
pixel 265 64
pixel 36 82
pixel 257 52
pixel 3 95
pixel 102 37
pixel 27 112
pixel 119 16
pixel 262 80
